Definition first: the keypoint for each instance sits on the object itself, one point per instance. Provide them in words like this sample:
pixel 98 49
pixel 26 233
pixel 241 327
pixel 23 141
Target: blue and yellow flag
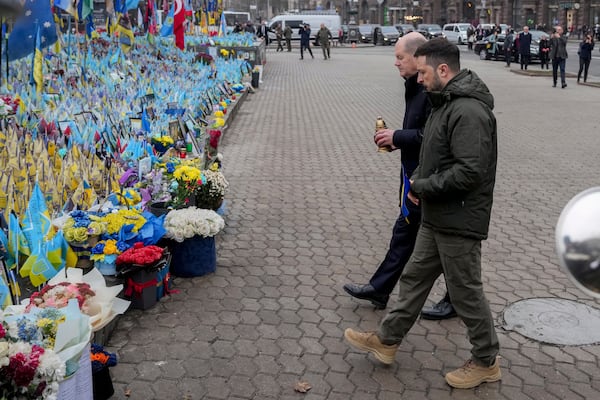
pixel 126 38
pixel 37 75
pixel 36 14
pixel 48 249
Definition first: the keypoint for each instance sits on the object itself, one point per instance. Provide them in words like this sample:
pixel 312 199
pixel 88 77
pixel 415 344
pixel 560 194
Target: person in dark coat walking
pixel 585 56
pixel 304 32
pixel 408 141
pixel 544 51
pixel 558 54
pixel 508 47
pixel 525 47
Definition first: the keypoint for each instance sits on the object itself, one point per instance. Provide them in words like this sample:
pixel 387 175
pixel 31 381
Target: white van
pixel 456 33
pixel 331 21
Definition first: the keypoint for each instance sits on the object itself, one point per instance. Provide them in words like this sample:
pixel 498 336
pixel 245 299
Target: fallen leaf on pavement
pixel 302 387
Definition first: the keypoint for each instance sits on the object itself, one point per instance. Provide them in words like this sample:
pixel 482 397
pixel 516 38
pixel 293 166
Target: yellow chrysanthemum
pixel 187 174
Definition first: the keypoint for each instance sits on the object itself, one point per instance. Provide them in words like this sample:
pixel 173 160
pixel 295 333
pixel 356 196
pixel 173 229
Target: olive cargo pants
pixel 459 258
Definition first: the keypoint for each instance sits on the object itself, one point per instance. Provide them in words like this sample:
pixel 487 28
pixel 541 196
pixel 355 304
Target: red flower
pixel 141 256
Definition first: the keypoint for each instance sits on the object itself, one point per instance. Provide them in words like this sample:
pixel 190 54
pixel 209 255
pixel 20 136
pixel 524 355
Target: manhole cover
pixel 554 321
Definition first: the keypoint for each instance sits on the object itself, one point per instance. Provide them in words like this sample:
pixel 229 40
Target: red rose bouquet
pixel 140 255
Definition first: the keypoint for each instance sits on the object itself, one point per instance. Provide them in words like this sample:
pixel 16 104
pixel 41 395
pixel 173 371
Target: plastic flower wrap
pixel 141 255
pixel 38 348
pixel 189 222
pixel 28 371
pixel 80 225
pixel 104 306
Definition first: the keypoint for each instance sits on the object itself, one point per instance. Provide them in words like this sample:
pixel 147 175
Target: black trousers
pixel 307 47
pixel 525 60
pixel 401 247
pixel 584 66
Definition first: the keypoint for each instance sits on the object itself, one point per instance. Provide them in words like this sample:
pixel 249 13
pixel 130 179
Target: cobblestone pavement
pixel 311 207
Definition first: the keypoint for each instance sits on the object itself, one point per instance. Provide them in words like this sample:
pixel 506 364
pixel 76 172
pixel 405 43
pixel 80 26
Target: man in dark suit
pixel 525 47
pixel 408 141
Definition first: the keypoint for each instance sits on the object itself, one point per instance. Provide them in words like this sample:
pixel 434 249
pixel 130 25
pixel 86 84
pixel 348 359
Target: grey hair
pixel 412 41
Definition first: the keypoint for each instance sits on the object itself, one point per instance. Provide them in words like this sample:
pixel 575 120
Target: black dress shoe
pixel 441 310
pixel 367 292
pixel 564 85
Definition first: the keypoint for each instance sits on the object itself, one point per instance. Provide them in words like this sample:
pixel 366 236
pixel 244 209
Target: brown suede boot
pixel 471 375
pixel 369 341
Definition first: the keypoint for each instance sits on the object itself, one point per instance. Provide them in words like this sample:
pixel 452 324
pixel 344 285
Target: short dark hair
pixel 440 51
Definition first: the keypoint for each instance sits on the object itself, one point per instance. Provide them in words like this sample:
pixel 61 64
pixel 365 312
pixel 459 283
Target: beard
pixel 436 85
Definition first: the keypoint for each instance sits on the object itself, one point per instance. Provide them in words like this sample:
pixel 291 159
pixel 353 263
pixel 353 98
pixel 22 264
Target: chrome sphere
pixel 578 240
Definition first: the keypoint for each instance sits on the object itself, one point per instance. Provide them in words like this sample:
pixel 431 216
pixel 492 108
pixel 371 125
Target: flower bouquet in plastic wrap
pixel 146 270
pixel 29 366
pixel 38 334
pixel 93 297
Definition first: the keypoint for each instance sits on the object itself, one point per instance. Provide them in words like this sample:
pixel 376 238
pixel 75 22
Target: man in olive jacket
pixel 454 184
pixel 323 37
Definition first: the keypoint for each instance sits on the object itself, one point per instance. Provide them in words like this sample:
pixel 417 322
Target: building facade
pixel 517 13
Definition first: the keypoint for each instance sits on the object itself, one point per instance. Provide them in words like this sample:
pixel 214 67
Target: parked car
pixel 404 28
pixel 486 50
pixel 430 30
pixel 366 32
pixel 385 35
pixel 457 33
pixel 353 34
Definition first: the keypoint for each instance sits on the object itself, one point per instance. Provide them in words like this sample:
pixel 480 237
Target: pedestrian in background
pixel 279 36
pixel 323 38
pixel 304 32
pixel 558 54
pixel 454 183
pixel 287 34
pixel 508 46
pixel 525 47
pixel 585 56
pixel 544 51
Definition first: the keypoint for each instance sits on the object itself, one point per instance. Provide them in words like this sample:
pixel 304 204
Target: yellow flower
pixel 187 174
pixel 214 167
pixel 110 247
pixel 224 52
pixel 219 114
pixel 115 221
pixel 75 234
